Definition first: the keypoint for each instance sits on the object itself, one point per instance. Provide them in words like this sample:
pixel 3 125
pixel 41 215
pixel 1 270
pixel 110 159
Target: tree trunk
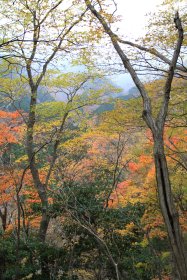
pixel 168 208
pixel 40 187
pixel 3 217
pixel 45 214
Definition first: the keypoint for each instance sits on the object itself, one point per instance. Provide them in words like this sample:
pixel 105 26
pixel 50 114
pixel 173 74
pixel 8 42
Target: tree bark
pixel 40 187
pixel 3 216
pixel 168 208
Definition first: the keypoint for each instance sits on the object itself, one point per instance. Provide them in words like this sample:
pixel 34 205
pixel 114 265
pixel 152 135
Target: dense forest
pixel 93 176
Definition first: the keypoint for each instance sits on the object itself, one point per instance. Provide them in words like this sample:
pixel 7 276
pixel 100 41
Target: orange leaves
pixel 10 184
pixel 9 115
pixel 34 222
pixel 133 167
pixel 183 220
pixel 126 192
pixel 7 190
pixel 9 127
pixel 6 135
pixel 143 161
pixel 149 136
pixel 150 175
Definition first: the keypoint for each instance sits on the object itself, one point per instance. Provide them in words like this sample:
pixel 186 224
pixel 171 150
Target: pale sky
pixel 132 26
pixel 133 13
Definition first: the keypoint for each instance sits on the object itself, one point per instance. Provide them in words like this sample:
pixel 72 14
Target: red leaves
pixel 9 127
pixel 9 115
pixel 133 167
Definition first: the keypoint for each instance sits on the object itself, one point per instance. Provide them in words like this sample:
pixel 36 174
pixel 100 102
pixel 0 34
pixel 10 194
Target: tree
pixel 156 125
pixel 34 19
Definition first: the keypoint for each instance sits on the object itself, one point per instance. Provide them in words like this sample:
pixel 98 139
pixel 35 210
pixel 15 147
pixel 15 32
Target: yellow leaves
pixel 124 117
pixel 22 159
pixel 83 274
pixel 12 87
pixel 144 242
pixel 51 110
pixel 128 230
pixel 74 145
pixel 68 80
pixel 141 265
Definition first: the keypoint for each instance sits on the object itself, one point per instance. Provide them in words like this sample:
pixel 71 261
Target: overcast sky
pixel 133 14
pixel 132 26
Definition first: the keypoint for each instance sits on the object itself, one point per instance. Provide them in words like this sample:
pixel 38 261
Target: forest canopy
pixel 93 175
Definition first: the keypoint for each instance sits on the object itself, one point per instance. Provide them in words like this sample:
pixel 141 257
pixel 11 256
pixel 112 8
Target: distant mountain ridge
pixel 23 102
pixel 133 92
pixel 44 95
